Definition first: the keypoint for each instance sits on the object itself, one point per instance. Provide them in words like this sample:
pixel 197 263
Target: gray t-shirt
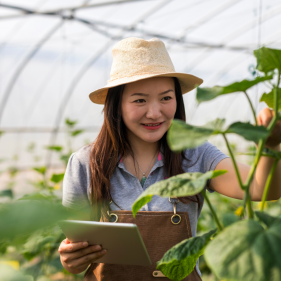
pixel 125 187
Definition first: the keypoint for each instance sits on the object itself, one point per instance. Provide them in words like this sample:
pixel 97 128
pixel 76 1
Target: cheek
pixel 130 114
pixel 171 110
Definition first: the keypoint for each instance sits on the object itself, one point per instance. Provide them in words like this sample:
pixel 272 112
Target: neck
pixel 143 149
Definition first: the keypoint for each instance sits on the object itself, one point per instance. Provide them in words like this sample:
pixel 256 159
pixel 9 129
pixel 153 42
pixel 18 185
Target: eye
pixel 139 101
pixel 166 98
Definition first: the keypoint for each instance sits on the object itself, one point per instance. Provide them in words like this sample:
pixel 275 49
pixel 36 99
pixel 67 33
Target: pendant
pixel 143 179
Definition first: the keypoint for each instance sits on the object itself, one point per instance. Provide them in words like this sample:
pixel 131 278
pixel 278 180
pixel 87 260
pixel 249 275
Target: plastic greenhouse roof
pixel 54 53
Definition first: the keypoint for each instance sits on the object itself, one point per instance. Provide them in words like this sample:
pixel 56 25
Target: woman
pixel 130 153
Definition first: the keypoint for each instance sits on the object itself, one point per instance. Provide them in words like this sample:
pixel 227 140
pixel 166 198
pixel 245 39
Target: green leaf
pixel 42 240
pixel 269 98
pixel 1 133
pixel 55 148
pixel 77 132
pixel 25 216
pixel 184 136
pixel 7 193
pixel 40 170
pixel 268 59
pixel 267 219
pixel 57 178
pixel 70 123
pixel 180 260
pixel 229 218
pixel 186 184
pixel 39 197
pixel 205 94
pixel 247 251
pixel 248 131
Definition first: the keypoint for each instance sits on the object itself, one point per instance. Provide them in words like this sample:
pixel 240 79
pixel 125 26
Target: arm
pixel 228 185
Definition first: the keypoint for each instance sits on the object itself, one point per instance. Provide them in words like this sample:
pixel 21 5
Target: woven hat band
pixel 136 56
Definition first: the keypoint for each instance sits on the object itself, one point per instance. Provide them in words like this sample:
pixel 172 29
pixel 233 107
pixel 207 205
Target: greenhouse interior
pixel 53 54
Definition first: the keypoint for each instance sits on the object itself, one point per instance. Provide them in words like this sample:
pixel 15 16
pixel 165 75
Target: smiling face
pixel 148 108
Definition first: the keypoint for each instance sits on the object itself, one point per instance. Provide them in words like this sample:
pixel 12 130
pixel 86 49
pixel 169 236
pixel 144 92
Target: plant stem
pixel 212 211
pixel 275 107
pixel 252 108
pixel 268 182
pixel 247 197
pixel 234 162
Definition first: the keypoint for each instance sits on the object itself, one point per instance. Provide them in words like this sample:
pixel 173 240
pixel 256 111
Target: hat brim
pixel 187 81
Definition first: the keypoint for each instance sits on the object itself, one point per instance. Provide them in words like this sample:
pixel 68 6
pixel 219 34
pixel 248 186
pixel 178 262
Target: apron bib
pixel 160 231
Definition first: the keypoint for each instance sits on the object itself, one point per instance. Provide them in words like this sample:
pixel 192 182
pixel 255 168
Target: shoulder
pixel 204 157
pixel 199 150
pixel 82 155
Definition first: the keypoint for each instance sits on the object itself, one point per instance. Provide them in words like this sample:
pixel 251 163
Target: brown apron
pixel 159 232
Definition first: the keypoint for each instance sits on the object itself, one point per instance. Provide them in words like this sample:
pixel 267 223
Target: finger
pixel 89 258
pixel 72 247
pixel 67 241
pixel 265 117
pixel 67 257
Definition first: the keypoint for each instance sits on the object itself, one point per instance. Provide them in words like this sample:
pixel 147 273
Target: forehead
pixel 150 85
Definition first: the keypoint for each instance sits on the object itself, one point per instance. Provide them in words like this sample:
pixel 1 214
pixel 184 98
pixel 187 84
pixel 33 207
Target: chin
pixel 152 139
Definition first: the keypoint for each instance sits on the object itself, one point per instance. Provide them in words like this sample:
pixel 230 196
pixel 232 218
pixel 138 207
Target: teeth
pixel 152 125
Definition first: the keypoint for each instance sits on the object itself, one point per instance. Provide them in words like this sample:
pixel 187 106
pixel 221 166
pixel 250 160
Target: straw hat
pixel 136 59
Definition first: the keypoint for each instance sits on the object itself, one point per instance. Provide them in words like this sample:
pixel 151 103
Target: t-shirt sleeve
pixel 75 185
pixel 212 156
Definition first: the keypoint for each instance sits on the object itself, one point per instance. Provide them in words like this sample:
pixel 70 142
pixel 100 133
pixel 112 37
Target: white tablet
pixel 122 240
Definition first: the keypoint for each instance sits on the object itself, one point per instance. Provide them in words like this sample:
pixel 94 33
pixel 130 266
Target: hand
pixel 75 257
pixel 264 118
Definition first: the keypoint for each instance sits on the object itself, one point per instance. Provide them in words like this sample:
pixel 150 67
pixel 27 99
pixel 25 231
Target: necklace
pixel 143 179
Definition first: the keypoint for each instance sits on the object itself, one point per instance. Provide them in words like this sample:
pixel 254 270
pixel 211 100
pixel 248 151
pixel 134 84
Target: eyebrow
pixel 142 94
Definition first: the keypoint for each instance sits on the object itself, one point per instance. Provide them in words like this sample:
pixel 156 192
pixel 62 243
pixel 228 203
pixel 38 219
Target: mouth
pixel 152 124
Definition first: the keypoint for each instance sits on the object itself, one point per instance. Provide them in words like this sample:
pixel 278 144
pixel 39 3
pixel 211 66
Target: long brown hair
pixel 112 144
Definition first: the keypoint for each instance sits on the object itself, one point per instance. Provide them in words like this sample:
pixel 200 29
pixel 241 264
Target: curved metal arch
pixel 234 35
pixel 16 28
pixel 59 11
pixel 51 72
pixel 209 16
pixel 69 93
pixel 23 65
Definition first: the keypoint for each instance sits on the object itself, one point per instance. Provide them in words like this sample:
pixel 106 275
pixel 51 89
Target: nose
pixel 153 111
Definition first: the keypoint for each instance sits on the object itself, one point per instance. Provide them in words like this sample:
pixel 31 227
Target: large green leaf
pixel 268 59
pixel 205 94
pixel 184 136
pixel 248 131
pixel 42 241
pixel 247 251
pixel 186 184
pixel 25 216
pixel 269 99
pixel 180 260
pixel 267 219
